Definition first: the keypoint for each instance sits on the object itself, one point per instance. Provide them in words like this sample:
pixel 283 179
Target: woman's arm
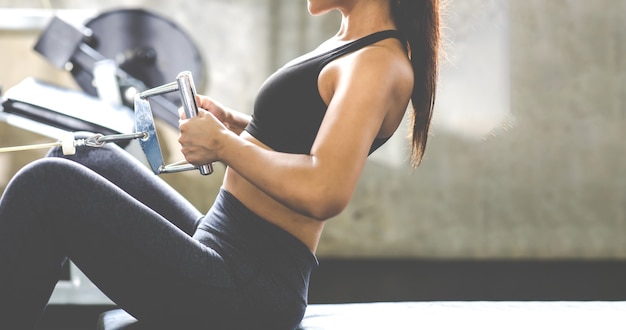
pixel 364 89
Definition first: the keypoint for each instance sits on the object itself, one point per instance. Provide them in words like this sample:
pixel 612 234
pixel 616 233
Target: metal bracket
pixel 144 122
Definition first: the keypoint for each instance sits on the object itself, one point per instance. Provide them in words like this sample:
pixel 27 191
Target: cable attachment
pixel 98 140
pixel 94 141
pixel 68 143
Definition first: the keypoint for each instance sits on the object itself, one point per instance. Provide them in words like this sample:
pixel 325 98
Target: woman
pixel 292 165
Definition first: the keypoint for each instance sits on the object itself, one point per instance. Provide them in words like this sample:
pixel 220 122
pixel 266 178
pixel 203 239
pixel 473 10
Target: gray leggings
pixel 145 247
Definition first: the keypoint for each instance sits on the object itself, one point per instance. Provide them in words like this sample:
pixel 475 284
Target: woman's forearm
pixel 236 121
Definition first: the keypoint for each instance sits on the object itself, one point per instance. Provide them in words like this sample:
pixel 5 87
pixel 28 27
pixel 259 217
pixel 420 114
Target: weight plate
pixel 145 45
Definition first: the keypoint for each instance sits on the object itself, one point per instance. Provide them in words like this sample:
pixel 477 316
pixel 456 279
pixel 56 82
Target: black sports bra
pixel 289 110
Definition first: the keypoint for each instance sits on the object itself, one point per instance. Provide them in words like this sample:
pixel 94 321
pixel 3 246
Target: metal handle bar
pixel 144 122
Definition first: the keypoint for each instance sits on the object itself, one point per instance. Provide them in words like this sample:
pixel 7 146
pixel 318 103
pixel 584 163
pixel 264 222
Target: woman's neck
pixel 364 18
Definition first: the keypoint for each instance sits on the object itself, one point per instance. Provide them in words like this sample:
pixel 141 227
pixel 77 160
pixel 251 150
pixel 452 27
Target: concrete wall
pixel 527 155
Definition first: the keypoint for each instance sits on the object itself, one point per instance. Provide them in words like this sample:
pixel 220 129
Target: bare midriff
pixel 306 229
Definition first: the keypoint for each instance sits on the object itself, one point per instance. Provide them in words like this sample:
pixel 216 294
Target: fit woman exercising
pixel 292 165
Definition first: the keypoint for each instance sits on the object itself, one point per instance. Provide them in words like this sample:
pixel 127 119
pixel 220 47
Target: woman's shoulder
pixel 385 59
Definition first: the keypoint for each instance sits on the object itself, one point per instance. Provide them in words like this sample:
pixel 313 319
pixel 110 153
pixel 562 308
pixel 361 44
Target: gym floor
pixel 370 280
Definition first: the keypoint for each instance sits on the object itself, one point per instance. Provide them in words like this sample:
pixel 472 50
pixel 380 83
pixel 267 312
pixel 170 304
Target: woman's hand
pixel 201 137
pixel 212 106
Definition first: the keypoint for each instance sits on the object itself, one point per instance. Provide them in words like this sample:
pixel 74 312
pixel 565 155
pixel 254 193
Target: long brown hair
pixel 418 20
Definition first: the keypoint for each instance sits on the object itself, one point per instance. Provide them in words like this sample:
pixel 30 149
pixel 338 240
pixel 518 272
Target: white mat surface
pixel 467 315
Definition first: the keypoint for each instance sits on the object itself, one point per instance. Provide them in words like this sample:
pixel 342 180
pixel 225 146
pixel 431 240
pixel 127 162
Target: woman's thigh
pixel 126 172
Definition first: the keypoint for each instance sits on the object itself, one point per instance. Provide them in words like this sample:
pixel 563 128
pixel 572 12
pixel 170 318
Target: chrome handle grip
pixel 188 97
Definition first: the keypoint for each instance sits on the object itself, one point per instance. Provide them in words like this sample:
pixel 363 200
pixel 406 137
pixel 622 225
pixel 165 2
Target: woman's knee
pixel 100 159
pixel 46 173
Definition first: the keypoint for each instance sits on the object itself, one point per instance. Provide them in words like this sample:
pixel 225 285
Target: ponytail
pixel 418 20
